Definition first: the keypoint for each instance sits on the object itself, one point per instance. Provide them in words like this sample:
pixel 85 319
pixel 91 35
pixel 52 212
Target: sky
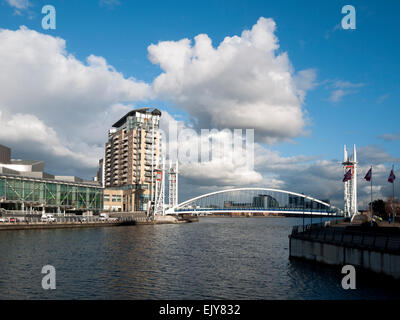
pixel 286 69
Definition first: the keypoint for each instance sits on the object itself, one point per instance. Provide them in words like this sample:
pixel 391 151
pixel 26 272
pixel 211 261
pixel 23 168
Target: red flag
pixel 391 177
pixel 347 176
pixel 368 176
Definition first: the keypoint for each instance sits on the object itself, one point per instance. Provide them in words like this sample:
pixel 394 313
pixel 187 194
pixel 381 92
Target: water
pixel 217 258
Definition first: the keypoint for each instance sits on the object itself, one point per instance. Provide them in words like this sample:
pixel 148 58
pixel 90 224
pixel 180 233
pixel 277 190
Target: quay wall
pixel 381 260
pixel 137 220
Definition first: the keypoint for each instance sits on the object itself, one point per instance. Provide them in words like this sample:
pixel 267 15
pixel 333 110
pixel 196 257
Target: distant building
pixel 132 155
pixel 100 173
pixel 265 201
pixel 237 205
pixel 5 154
pixel 24 185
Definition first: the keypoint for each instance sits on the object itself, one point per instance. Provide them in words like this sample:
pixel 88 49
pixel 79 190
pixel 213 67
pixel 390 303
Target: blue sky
pixel 362 64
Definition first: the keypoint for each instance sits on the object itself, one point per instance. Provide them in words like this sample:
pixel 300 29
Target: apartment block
pixel 132 155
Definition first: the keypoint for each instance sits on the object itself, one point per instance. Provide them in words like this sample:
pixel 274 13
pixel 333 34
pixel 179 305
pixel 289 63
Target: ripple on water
pixel 217 258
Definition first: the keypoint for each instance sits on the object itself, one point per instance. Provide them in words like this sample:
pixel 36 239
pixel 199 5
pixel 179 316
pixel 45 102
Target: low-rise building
pixel 25 186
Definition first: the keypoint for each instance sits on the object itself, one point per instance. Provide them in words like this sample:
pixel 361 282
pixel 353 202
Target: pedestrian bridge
pixel 262 201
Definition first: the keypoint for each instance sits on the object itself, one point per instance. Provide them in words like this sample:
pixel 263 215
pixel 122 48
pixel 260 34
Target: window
pixel 116 198
pixel 106 197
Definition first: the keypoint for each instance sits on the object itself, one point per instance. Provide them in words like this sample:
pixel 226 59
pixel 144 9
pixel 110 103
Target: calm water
pixel 217 258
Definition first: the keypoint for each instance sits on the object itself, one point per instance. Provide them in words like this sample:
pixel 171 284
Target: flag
pixel 347 176
pixel 368 176
pixel 391 177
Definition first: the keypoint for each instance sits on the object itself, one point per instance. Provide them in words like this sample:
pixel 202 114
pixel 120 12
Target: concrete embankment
pixel 124 221
pixel 376 249
pixel 61 225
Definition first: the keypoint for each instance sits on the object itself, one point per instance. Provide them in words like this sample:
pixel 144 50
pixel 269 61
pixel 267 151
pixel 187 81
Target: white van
pixel 103 217
pixel 48 218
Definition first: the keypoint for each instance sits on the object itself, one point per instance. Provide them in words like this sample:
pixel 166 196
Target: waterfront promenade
pixel 375 249
pixel 32 223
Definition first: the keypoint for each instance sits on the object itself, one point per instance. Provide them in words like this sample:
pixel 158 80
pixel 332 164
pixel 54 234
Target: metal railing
pixel 378 240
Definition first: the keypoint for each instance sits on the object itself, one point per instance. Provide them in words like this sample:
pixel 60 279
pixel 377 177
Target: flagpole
pixel 393 197
pixel 371 199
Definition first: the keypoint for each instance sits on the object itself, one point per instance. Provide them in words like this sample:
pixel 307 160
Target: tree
pixel 379 208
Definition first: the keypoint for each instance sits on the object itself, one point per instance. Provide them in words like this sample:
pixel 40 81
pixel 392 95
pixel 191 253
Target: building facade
pixel 49 195
pixel 25 186
pixel 132 156
pixel 5 154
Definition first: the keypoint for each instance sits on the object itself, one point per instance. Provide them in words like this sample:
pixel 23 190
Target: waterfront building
pixel 25 186
pixel 113 199
pixel 132 156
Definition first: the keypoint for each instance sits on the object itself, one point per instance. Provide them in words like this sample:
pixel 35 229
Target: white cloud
pixel 57 108
pixel 19 4
pixel 56 95
pixel 382 98
pixel 220 168
pixel 109 3
pixel 343 88
pixel 243 83
pixel 390 136
pixel 33 136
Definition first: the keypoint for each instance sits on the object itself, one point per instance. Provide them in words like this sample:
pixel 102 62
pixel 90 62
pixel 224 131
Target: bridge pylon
pixel 350 186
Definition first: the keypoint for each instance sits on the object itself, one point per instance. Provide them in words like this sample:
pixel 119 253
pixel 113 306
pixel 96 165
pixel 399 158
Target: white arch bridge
pixel 263 201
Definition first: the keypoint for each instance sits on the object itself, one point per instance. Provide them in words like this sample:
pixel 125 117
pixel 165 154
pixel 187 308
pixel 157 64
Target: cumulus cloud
pixel 57 108
pixel 311 175
pixel 243 83
pixel 60 103
pixel 214 163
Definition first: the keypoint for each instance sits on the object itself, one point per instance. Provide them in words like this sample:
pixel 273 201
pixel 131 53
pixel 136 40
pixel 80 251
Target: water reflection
pixel 217 258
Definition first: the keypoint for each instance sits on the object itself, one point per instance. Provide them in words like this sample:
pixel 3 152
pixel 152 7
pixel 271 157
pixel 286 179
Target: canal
pixel 216 258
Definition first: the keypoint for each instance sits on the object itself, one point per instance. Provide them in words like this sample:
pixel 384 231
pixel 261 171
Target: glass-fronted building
pixel 24 193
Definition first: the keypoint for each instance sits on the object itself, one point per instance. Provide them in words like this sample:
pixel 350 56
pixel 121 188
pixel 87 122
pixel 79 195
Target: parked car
pixel 4 220
pixel 48 218
pixel 103 217
pixel 82 219
pixel 13 220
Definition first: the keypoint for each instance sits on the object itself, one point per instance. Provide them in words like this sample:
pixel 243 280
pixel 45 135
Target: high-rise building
pixel 132 156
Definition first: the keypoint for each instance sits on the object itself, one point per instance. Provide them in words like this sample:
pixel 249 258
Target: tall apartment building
pixel 132 155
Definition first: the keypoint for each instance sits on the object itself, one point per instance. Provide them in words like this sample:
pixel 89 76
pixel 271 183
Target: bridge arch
pixel 283 199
